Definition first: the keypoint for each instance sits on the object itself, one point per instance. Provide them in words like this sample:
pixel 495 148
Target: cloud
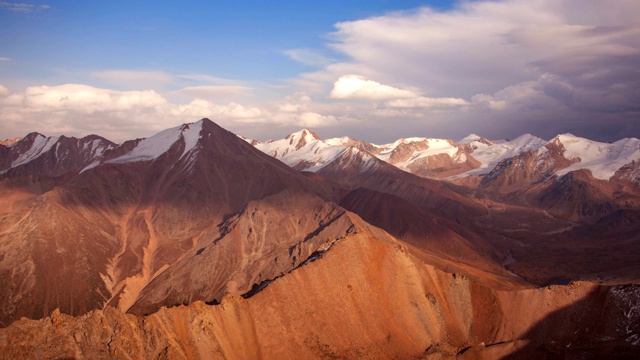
pixel 309 57
pixel 78 110
pixel 499 68
pixel 85 98
pixel 4 58
pixel 211 91
pixel 22 7
pixel 311 119
pixel 517 60
pixel 178 86
pixel 295 102
pixel 135 79
pixel 357 87
pixel 426 102
pixel 207 79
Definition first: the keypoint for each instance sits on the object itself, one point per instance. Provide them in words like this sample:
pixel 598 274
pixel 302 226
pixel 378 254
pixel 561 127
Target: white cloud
pixel 426 102
pixel 77 110
pixel 210 91
pixel 561 60
pixel 134 79
pixel 85 98
pixel 312 120
pixel 295 102
pixel 357 87
pixel 178 86
pixel 2 58
pixel 309 57
pixel 22 7
pixel 484 46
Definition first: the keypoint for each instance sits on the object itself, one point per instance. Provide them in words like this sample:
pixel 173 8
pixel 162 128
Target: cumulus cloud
pixel 311 119
pixel 74 109
pixel 83 98
pixel 295 102
pixel 77 110
pixel 357 87
pixel 560 60
pixel 22 7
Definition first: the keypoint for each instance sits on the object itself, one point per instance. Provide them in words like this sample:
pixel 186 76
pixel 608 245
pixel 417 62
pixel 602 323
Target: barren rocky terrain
pixel 195 244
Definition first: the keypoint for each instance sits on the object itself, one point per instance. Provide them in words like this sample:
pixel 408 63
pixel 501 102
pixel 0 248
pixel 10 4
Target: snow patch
pixel 490 155
pixel 302 150
pixel 602 159
pixel 469 138
pixel 191 135
pixel 40 146
pixel 342 141
pixel 156 145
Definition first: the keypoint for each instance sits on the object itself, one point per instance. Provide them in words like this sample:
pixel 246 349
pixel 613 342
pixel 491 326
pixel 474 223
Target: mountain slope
pixel 409 267
pixel 52 156
pixel 368 286
pixel 519 206
pixel 118 222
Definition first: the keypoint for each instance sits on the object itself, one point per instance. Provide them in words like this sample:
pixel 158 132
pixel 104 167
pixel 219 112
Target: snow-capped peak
pixel 403 141
pixel 302 150
pixel 469 138
pixel 472 155
pixel 602 159
pixel 341 141
pixel 301 138
pixel 490 155
pixel 156 145
pixel 39 145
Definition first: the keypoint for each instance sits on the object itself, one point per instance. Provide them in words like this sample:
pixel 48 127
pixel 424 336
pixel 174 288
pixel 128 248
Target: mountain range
pixel 198 243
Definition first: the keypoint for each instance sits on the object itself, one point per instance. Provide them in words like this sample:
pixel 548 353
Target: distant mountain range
pixel 471 156
pixel 197 243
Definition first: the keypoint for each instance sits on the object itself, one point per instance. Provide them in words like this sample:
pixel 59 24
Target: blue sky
pixel 244 40
pixel 376 70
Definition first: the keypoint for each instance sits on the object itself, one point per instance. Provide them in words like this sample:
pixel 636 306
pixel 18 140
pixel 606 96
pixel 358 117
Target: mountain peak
pixel 158 144
pixel 474 138
pixel 302 138
pixel 9 142
pixel 469 138
pixel 304 133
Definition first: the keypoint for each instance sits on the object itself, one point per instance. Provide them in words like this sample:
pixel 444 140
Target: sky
pixel 375 70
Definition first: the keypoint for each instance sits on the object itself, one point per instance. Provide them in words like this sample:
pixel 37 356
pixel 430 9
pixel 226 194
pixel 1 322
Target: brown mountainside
pixel 194 244
pixel 100 236
pixel 365 298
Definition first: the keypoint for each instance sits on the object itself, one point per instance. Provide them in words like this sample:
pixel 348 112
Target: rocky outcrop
pixel 365 298
pixel 266 240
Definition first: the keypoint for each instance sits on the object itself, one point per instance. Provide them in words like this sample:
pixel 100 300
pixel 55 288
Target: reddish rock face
pixel 194 244
pixel 367 297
